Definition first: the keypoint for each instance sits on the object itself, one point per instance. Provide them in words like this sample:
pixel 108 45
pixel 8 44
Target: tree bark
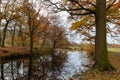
pixel 101 53
pixel 4 34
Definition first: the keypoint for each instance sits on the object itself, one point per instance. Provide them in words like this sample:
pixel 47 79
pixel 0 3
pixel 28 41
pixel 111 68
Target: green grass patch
pixel 114 49
pixel 74 48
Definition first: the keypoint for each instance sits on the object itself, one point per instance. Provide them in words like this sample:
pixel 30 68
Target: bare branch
pixel 63 8
pixel 86 13
pixel 83 8
pixel 110 4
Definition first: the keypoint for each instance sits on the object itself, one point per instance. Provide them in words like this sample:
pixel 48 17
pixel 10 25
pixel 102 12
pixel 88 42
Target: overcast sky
pixel 76 37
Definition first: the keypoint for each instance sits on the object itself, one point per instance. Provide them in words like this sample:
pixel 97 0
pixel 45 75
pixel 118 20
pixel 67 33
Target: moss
pixel 103 63
pixel 104 67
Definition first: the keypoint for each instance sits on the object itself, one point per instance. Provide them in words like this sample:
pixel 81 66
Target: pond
pixel 57 66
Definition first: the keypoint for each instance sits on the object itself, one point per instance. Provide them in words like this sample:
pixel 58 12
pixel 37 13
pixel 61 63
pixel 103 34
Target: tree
pixel 101 53
pixel 57 33
pixel 8 15
pixel 92 13
pixel 0 23
pixel 33 23
pixel 13 34
pixel 32 16
pixel 55 37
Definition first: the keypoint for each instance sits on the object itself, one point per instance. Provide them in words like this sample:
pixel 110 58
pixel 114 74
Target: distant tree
pixel 13 34
pixel 32 23
pixel 0 23
pixel 8 14
pixel 56 36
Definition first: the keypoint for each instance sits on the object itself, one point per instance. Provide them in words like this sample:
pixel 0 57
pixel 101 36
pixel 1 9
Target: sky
pixel 76 37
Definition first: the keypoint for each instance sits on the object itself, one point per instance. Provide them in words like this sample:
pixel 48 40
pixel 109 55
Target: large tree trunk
pixel 101 53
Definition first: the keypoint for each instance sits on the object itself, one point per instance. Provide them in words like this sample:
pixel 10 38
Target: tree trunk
pixel 13 35
pixel 0 25
pixel 4 34
pixel 54 44
pixel 21 34
pixel 101 53
pixel 31 55
pixel 0 38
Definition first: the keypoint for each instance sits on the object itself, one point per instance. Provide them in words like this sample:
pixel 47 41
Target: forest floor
pixel 114 58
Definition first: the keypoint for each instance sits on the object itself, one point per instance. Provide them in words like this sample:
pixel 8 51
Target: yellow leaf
pixel 78 24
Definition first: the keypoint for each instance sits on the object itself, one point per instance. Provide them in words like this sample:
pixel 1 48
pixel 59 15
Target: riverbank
pixel 6 51
pixel 15 52
pixel 114 58
pixel 9 53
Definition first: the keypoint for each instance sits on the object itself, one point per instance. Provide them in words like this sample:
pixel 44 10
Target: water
pixel 58 66
pixel 75 64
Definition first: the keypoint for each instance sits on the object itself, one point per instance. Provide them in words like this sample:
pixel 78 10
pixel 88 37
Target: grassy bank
pixel 114 50
pixel 114 58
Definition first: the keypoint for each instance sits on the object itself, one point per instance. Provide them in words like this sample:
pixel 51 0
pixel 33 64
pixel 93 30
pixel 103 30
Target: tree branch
pixel 86 13
pixel 83 8
pixel 111 4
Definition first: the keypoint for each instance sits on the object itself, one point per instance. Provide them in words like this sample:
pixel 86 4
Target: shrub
pixel 90 49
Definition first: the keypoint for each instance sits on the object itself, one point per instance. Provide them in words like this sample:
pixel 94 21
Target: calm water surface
pixel 58 66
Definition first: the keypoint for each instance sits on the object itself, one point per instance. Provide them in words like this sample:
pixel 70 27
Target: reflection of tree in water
pixel 49 67
pixel 45 67
pixel 2 71
pixel 13 70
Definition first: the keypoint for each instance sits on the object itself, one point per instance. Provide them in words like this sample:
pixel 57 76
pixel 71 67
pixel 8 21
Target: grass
pixel 74 48
pixel 114 49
